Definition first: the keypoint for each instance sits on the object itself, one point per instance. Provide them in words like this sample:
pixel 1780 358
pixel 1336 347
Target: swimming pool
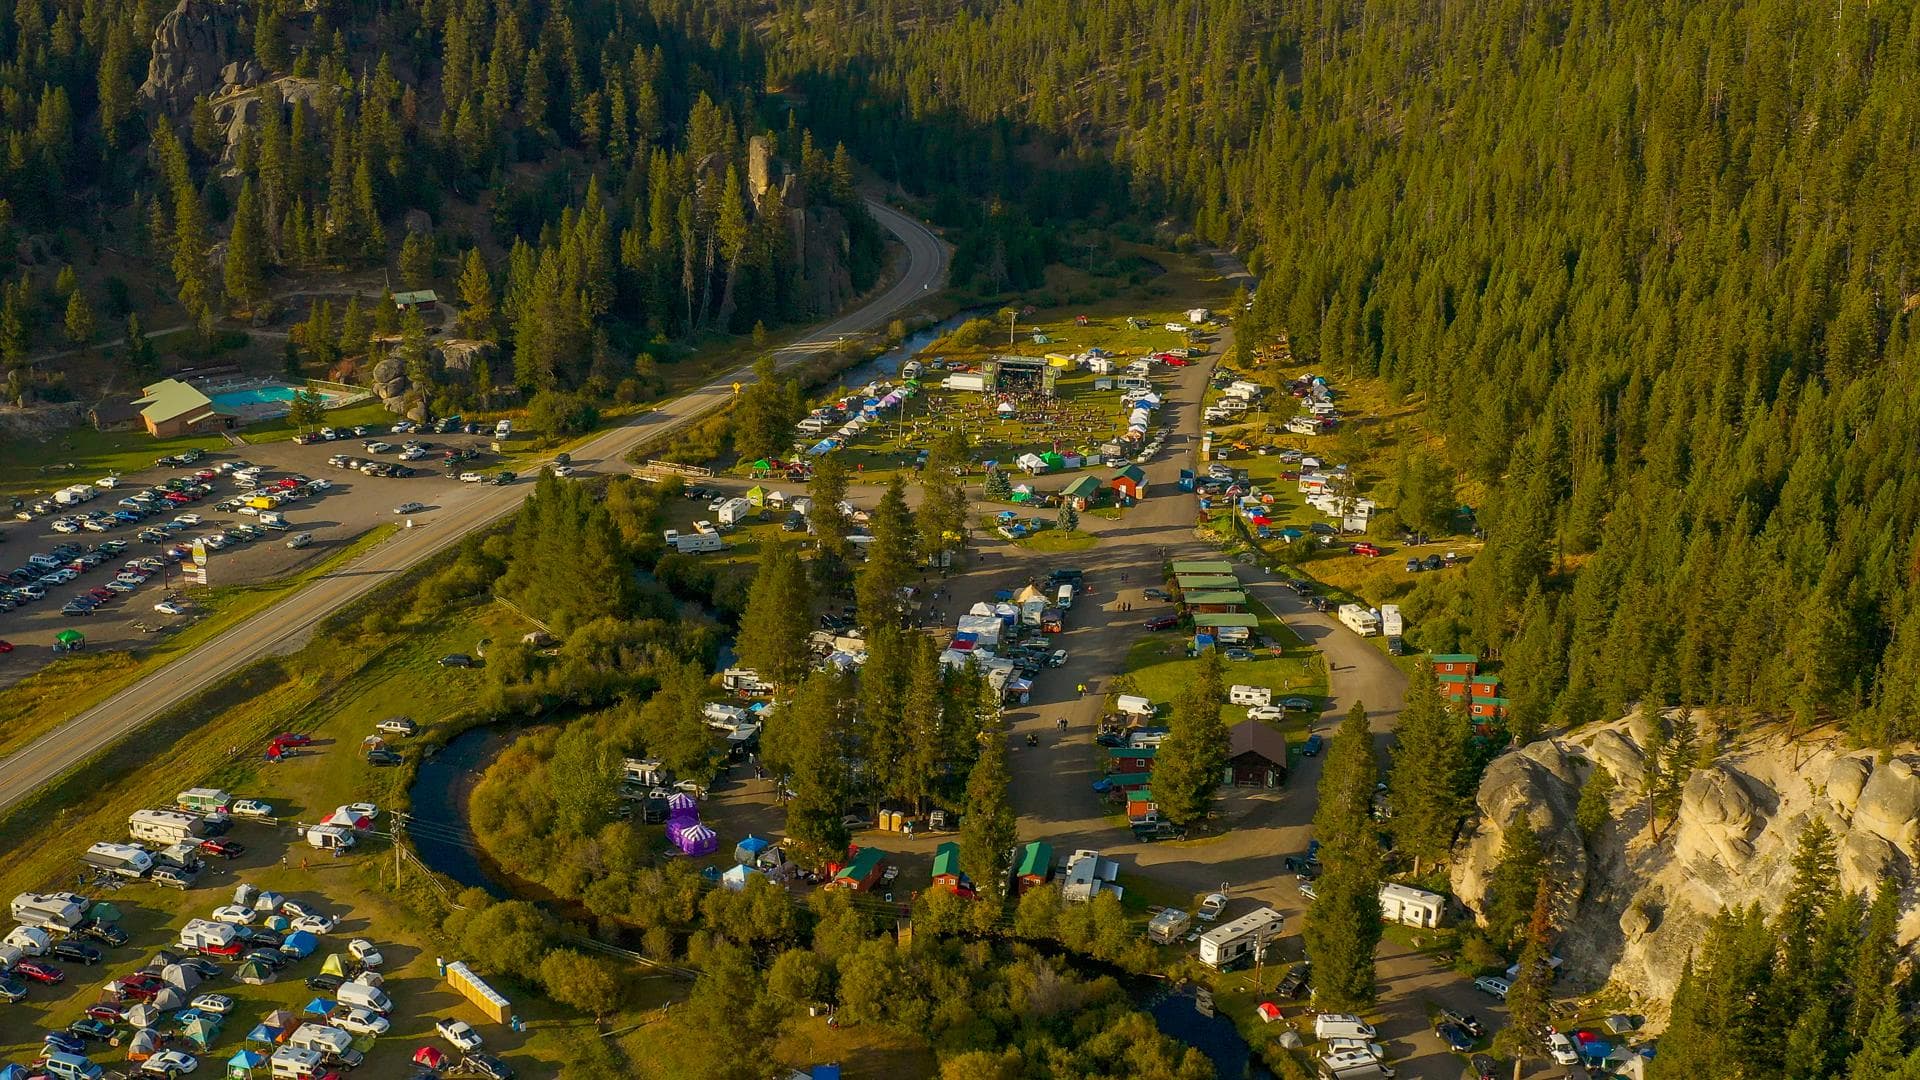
pixel 259 395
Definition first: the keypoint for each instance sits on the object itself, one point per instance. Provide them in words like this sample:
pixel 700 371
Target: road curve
pixel 287 623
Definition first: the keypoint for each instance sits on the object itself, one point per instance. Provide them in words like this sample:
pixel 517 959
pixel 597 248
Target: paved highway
pixel 287 624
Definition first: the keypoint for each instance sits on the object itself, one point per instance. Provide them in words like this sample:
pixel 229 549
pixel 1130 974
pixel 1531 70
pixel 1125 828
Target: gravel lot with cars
pixel 109 565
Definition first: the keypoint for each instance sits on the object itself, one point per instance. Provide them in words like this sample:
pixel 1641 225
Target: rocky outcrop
pixel 193 44
pixel 1633 906
pixel 244 99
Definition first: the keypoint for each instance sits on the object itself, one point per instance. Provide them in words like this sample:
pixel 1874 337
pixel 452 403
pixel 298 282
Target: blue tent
pixel 13 1072
pixel 261 1033
pixel 319 1007
pixel 300 943
pixel 750 849
pixel 244 1062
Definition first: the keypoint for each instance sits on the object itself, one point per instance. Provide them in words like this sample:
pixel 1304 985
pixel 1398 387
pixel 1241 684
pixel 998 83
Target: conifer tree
pixel 1430 773
pixel 988 826
pixel 79 319
pixel 1343 924
pixel 1191 762
pixel 774 628
pixel 476 294
pixel 890 560
pixel 246 256
pixel 1528 997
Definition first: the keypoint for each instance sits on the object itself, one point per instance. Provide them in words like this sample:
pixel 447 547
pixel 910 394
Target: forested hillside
pixel 1650 265
pixel 584 170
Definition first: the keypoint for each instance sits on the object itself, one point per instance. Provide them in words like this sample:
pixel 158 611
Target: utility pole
pixel 399 821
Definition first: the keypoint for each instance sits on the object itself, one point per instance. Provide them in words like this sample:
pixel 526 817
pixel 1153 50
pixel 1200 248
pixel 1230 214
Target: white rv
pixel 1360 619
pixel 1231 944
pixel 164 826
pixel 291 1062
pixel 121 860
pixel 60 910
pixel 1410 906
pixel 1241 694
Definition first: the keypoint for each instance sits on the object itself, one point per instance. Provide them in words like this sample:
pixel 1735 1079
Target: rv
pixel 1241 388
pixel 183 856
pixel 121 860
pixel 694 543
pixel 724 717
pixel 205 935
pixel 296 1063
pixel 733 512
pixel 1088 875
pixel 332 1044
pixel 164 826
pixel 1241 694
pixel 60 911
pixel 1360 619
pixel 1410 906
pixel 1133 382
pixel 1064 598
pixel 743 681
pixel 1169 926
pixel 1231 944
pixel 329 838
pixel 204 800
pixel 30 940
pixel 1390 622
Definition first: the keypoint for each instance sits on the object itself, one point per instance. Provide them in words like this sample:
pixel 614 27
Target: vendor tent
pixel 70 637
pixel 243 1064
pixel 265 1035
pixel 318 1007
pixel 757 495
pixel 735 879
pixel 1005 408
pixel 281 1021
pixel 697 840
pixel 749 850
pixel 680 801
pixel 1031 592
pixel 1053 460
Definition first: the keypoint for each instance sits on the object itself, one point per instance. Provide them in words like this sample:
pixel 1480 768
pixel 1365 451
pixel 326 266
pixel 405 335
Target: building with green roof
pixel 1035 866
pixel 171 408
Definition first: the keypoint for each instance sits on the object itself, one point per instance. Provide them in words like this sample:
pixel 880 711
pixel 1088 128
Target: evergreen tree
pixel 1594 811
pixel 987 825
pixel 778 618
pixel 416 260
pixel 246 256
pixel 1883 1051
pixel 826 491
pixel 942 516
pixel 1068 519
pixel 476 294
pixel 998 488
pixel 1529 997
pixel 890 560
pixel 1516 877
pixel 810 741
pixel 1191 762
pixel 1430 778
pixel 883 721
pixel 353 329
pixel 1343 923
pixel 79 319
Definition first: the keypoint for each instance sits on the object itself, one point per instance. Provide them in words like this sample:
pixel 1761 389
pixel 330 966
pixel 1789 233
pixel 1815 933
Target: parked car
pixel 1488 984
pixel 1163 622
pixel 1266 712
pixel 170 1063
pixel 1157 594
pixel 487 1067
pixel 324 983
pixel 218 1004
pixel 461 660
pixel 1311 748
pixel 78 952
pixel 222 847
pixel 39 972
pixel 314 924
pixel 1466 1021
pixel 1211 905
pixel 1454 1037
pixel 251 808
pixel 91 1029
pixel 383 759
pixel 12 990
pixel 398 725
pixel 409 508
pixel 1483 1067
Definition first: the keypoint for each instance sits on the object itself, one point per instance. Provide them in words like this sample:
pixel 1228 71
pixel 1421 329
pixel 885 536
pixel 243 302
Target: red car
pixel 1366 550
pixel 1163 622
pixel 1177 361
pixel 102 593
pixel 6 646
pixel 110 1014
pixel 226 849
pixel 39 972
pixel 293 738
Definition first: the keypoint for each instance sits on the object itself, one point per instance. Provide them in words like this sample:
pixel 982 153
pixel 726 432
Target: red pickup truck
pixel 1366 550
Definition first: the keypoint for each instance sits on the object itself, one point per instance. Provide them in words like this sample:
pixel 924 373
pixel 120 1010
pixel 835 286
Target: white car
pixel 314 924
pixel 168 607
pixel 359 1021
pixel 471 477
pixel 1266 712
pixel 1354 1046
pixel 398 725
pixel 563 470
pixel 459 1033
pixel 235 914
pixel 108 482
pixel 189 520
pixel 1561 1049
pixel 1211 906
pixel 364 809
pixel 213 1003
pixel 378 447
pixel 366 952
pixel 409 508
pixel 169 1063
pixel 252 808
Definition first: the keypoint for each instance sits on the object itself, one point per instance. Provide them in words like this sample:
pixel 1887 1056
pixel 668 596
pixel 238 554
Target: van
pixel 365 996
pixel 1370 1070
pixel 1341 1026
pixel 1064 598
pixel 1249 695
pixel 70 1067
pixel 299 540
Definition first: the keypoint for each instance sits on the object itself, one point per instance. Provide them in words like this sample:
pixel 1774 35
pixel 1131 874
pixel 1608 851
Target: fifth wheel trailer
pixel 1231 944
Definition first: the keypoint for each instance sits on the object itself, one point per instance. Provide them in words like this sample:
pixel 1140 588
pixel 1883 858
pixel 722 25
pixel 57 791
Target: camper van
pixel 1169 926
pixel 1241 694
pixel 1064 597
pixel 1231 944
pixel 1341 1026
pixel 331 1043
pixel 296 1063
pixel 61 910
pixel 164 826
pixel 121 860
pixel 364 995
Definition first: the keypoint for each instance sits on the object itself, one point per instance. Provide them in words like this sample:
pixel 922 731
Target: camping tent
pixel 1029 593
pixel 300 943
pixel 244 1063
pixel 70 637
pixel 430 1057
pixel 169 998
pixel 254 973
pixel 1053 460
pixel 757 495
pixel 265 1034
pixel 143 1044
pixel 143 1015
pixel 202 1031
pixel 334 964
pixel 735 879
pixel 318 1007
pixel 749 850
pixel 269 901
pixel 103 912
pixel 1268 1011
pixel 179 975
pixel 281 1021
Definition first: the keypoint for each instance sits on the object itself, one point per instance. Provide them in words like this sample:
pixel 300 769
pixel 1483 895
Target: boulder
pixel 1846 777
pixel 192 47
pixel 1716 819
pixel 417 221
pixel 1889 804
pixel 1638 920
pixel 242 73
pixel 1864 860
pixel 1619 755
pixel 1539 786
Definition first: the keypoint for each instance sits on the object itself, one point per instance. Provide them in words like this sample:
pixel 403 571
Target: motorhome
pixel 723 717
pixel 296 1063
pixel 164 826
pixel 60 910
pixel 1241 694
pixel 121 860
pixel 1231 944
pixel 205 935
pixel 331 1043
pixel 1360 619
pixel 1169 926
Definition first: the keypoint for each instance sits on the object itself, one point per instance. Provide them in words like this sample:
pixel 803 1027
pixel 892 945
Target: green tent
pixel 1053 460
pixel 757 495
pixel 204 1030
pixel 70 637
pixel 254 973
pixel 334 965
pixel 104 912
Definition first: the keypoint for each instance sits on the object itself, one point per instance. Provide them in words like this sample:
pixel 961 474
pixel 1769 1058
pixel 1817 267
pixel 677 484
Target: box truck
pixel 121 860
pixel 164 826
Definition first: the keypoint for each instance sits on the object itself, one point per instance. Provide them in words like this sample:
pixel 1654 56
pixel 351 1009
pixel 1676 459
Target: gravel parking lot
pixel 352 505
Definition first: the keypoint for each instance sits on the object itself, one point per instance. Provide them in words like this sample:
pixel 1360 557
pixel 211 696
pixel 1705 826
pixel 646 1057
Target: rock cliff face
pixel 1633 907
pixel 192 46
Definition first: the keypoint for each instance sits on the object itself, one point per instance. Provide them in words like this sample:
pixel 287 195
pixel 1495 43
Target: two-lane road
pixel 286 624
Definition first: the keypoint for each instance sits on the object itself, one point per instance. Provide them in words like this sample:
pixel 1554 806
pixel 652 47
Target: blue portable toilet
pixel 1186 479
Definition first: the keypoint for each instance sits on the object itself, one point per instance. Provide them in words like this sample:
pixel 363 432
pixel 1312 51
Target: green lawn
pixel 1158 666
pixel 82 455
pixel 1056 542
